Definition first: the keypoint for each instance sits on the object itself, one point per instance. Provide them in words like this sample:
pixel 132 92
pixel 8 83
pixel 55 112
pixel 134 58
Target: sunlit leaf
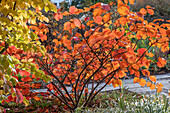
pixel 161 62
pixel 153 78
pixel 142 82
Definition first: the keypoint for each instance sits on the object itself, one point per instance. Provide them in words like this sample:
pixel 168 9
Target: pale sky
pixel 58 1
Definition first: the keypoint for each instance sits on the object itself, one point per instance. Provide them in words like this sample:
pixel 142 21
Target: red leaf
pixel 24 73
pixel 19 96
pixel 141 51
pixel 26 79
pixel 19 51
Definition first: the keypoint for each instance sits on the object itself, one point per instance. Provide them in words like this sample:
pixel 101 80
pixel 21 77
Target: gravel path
pixel 128 83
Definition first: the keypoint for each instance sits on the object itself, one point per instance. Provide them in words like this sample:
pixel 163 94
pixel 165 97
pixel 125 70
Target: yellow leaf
pixel 136 80
pixel 25 101
pixel 46 9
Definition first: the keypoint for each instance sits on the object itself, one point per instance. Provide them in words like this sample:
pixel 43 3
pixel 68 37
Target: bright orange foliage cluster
pixel 100 49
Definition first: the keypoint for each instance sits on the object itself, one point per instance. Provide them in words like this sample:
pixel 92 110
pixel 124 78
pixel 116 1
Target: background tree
pixel 19 45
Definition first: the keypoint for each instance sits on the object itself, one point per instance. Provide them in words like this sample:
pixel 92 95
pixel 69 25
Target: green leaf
pixel 5 62
pixel 13 80
pixel 9 71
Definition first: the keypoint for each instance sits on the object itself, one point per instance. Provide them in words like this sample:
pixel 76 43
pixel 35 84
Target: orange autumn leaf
pixel 86 90
pixel 146 73
pixel 150 11
pixel 115 83
pixel 161 62
pixel 54 33
pixel 65 13
pixel 137 73
pixel 98 19
pixel 148 84
pixel 163 31
pixel 159 87
pixel 126 1
pixel 67 25
pixel 43 37
pixel 90 22
pixel 58 16
pixel 135 67
pixel 123 20
pixel 56 42
pixel 150 54
pixel 143 11
pixel 153 78
pixel 86 9
pixel 77 23
pixel 96 5
pixel 141 51
pixel 152 86
pixel 121 73
pixel 123 10
pixel 161 84
pixel 131 1
pixel 168 32
pixel 106 17
pixel 142 82
pixel 148 6
pixel 116 65
pixel 37 9
pixel 36 98
pixel 97 12
pixel 136 80
pixel 119 82
pixel 73 10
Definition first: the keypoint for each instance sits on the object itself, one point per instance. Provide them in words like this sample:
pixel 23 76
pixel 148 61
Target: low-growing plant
pixel 135 104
